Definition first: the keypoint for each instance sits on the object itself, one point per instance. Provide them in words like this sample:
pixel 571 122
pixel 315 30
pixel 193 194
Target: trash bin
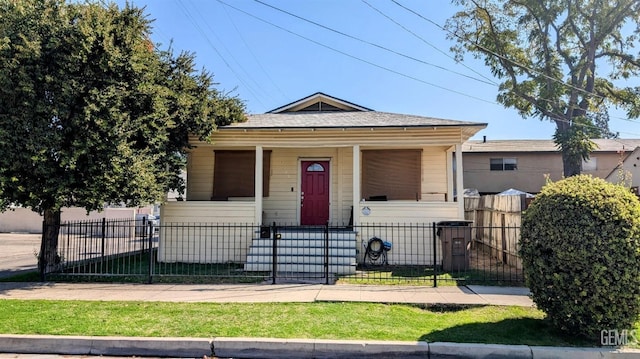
pixel 455 238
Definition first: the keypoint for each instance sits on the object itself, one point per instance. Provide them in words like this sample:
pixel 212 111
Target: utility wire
pixel 490 81
pixel 514 62
pixel 353 56
pixel 208 40
pixel 239 65
pixel 255 58
pixel 373 44
pixel 500 56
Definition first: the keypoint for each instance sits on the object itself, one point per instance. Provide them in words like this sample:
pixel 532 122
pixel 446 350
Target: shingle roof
pixel 346 119
pixel 604 145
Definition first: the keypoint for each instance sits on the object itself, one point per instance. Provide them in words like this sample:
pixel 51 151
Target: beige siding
pixel 200 174
pixel 282 205
pixel 529 177
pixel 434 174
pixel 531 173
pixel 207 212
pixel 191 229
pixel 412 244
pixel 311 137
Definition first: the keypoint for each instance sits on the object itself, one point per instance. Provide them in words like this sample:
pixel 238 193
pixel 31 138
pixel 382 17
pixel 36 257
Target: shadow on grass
pixel 522 331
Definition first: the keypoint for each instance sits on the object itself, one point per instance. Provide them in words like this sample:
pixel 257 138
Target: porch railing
pixel 422 253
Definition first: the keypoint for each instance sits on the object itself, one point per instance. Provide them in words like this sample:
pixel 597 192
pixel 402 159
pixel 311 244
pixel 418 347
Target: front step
pixel 303 251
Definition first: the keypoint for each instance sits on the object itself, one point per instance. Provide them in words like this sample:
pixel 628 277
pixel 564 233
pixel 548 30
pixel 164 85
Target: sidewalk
pixel 278 348
pixel 254 293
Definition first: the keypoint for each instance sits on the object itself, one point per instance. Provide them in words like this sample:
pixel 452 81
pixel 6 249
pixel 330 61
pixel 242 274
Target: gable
pixel 319 102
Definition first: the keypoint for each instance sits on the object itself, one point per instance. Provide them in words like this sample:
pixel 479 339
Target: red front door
pixel 314 194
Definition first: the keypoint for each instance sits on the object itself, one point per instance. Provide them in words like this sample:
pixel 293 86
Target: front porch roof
pixel 337 120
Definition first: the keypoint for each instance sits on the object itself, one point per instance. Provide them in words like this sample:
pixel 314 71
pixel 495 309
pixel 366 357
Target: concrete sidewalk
pixel 278 348
pixel 254 293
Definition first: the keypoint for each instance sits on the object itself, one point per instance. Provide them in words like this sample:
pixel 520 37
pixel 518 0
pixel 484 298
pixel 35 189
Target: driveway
pixel 18 253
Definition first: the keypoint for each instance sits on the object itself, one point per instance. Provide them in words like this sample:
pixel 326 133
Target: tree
pixel 91 112
pixel 559 60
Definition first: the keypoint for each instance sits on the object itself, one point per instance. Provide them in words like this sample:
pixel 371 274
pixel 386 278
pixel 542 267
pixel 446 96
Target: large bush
pixel 580 248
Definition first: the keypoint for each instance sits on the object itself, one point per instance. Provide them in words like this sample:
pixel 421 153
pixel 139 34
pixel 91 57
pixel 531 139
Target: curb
pixel 288 348
pixel 110 346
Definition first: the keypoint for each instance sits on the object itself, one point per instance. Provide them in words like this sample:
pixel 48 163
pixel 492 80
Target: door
pixel 314 193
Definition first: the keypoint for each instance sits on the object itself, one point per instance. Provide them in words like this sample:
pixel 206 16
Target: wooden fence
pixel 496 225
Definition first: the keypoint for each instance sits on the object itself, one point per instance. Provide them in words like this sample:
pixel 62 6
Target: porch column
pixel 356 185
pixel 459 181
pixel 450 174
pixel 258 185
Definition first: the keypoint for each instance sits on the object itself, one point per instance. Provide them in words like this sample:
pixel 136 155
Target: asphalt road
pixel 18 253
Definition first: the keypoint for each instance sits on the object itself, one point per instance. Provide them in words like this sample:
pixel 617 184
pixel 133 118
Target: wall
pixel 529 177
pixel 189 230
pixel 282 205
pixel 532 168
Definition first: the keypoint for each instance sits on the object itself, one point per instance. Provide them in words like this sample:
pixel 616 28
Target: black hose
pixel 375 248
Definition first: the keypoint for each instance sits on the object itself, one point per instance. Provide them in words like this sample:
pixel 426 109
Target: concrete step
pixel 303 243
pixel 312 234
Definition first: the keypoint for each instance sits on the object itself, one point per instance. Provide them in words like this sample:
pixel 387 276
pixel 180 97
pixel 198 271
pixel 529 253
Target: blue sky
pixel 269 58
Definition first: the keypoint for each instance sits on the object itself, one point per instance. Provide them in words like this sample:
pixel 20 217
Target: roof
pixel 604 145
pixel 361 119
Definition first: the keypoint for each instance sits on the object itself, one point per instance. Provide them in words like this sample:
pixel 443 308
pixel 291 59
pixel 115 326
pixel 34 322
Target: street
pixel 18 253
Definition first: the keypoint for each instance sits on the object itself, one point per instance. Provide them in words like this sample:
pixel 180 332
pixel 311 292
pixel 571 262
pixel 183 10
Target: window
pixel 316 167
pixel 391 174
pixel 503 164
pixel 590 165
pixel 234 174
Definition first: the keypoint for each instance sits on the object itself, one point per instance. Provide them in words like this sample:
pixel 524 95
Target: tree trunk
pixel 570 166
pixel 48 258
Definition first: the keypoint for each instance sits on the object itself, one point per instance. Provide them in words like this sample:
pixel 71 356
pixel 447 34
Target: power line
pixel 255 58
pixel 490 81
pixel 353 56
pixel 501 56
pixel 372 44
pixel 208 40
pixel 570 107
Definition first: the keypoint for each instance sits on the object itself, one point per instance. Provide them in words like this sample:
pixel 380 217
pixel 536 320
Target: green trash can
pixel 455 240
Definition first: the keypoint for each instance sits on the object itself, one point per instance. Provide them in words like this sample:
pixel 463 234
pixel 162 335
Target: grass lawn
pixel 368 321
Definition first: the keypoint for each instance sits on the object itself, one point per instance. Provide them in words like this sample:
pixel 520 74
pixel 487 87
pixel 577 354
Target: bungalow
pixel 315 161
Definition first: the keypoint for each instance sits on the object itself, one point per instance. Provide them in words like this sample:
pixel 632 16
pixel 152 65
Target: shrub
pixel 580 248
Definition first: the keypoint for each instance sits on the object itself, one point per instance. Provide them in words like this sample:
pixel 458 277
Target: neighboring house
pixel 494 166
pixel 628 172
pixel 322 160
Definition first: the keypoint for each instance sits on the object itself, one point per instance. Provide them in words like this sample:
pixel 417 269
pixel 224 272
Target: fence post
pixel 104 230
pixel 41 268
pixel 504 238
pixel 274 252
pixel 435 256
pixel 150 225
pixel 326 253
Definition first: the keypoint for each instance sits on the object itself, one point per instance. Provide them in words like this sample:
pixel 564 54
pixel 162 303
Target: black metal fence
pixel 422 254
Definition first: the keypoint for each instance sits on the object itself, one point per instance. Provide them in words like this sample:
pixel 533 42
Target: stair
pixel 302 250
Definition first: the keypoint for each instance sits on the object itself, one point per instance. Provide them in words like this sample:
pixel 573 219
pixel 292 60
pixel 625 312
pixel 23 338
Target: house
pixel 627 172
pixel 314 161
pixel 494 166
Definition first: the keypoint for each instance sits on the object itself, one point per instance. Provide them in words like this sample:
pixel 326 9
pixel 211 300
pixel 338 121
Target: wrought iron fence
pixel 422 254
